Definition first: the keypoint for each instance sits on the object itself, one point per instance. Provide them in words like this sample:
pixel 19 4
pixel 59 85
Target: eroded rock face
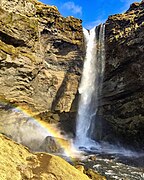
pixel 122 102
pixel 41 57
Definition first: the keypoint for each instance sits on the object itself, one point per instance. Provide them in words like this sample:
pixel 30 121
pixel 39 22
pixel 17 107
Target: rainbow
pixel 67 147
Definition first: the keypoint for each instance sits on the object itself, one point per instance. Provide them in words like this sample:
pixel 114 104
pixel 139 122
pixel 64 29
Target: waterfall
pixel 91 84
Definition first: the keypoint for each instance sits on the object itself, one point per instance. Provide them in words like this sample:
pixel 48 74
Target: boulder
pixel 54 145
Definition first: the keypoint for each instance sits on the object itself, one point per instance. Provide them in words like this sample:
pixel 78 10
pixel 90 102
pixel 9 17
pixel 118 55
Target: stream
pixel 116 166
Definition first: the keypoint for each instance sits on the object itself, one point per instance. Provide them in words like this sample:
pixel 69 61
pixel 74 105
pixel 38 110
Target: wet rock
pixel 54 145
pixel 93 175
pixel 92 158
pixel 80 168
pixel 89 172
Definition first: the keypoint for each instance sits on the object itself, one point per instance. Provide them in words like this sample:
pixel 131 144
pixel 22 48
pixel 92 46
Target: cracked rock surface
pixel 41 57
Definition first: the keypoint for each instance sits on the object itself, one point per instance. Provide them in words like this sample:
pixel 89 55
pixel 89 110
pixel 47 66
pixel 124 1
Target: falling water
pixel 91 84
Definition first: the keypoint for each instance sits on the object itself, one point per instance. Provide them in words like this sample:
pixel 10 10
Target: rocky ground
pixel 17 162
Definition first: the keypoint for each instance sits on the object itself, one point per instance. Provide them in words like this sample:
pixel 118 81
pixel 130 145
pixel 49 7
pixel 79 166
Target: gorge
pixel 49 63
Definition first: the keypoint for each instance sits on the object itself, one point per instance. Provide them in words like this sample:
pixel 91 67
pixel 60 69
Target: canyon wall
pixel 122 101
pixel 41 57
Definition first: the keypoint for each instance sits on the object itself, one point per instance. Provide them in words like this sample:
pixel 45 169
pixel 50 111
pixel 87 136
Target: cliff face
pixel 122 102
pixel 40 58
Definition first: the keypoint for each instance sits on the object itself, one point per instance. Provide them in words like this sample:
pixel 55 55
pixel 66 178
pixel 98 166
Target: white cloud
pixel 94 23
pixel 70 5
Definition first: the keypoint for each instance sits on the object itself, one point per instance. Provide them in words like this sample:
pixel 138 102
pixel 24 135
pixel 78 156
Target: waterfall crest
pixel 91 84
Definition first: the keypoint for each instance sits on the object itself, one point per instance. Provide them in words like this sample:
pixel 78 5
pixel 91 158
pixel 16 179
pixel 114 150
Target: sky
pixel 92 12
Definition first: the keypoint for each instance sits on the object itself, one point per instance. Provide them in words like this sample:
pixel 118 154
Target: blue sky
pixel 92 12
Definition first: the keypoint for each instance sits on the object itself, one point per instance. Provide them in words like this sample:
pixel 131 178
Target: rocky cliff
pixel 41 57
pixel 122 101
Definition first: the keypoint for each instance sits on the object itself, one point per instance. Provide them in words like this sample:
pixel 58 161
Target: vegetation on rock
pixel 41 57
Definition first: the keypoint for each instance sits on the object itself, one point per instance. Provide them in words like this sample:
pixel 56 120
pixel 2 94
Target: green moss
pixel 29 55
pixel 18 26
pixel 26 24
pixel 14 52
pixel 8 49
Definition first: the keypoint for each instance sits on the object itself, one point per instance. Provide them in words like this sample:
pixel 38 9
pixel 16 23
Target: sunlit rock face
pixel 41 57
pixel 122 101
pixel 19 163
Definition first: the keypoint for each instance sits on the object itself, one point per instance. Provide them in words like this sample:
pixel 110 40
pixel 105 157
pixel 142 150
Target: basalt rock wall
pixel 122 100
